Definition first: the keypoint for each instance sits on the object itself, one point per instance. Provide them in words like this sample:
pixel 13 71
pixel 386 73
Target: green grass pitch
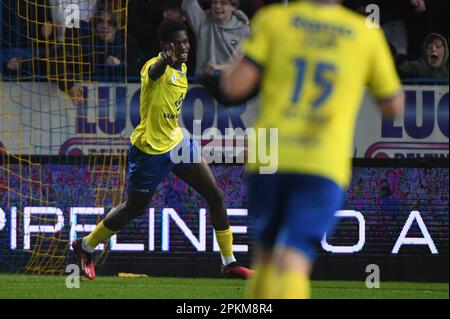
pixel 35 286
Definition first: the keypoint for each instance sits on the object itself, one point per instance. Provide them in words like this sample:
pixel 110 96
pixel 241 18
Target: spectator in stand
pixel 171 10
pixel 218 32
pixel 30 48
pixel 41 30
pixel 24 38
pixel 95 52
pixel 108 56
pixel 118 8
pixel 100 49
pixel 433 63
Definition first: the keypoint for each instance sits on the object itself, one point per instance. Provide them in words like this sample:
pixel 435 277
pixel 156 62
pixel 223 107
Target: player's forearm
pixel 213 85
pixel 392 107
pixel 157 69
pixel 239 81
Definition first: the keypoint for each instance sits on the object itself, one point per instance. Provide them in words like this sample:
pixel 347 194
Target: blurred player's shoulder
pixel 278 14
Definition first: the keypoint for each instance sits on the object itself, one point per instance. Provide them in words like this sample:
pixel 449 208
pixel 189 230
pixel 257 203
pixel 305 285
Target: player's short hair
pixel 168 28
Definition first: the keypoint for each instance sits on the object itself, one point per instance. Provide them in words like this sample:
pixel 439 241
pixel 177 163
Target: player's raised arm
pixel 167 57
pixel 240 80
pixel 237 84
pixel 393 106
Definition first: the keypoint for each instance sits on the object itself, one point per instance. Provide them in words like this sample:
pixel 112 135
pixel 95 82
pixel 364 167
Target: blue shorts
pixel 293 210
pixel 146 171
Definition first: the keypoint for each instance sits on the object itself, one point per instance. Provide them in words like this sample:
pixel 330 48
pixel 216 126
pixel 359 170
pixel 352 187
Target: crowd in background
pixel 417 32
pixel 115 38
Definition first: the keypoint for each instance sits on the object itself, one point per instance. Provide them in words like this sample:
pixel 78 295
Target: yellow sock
pixel 263 284
pixel 225 241
pixel 98 235
pixel 294 285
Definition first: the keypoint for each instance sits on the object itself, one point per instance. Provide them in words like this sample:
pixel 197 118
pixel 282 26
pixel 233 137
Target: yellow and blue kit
pixel 158 135
pixel 316 61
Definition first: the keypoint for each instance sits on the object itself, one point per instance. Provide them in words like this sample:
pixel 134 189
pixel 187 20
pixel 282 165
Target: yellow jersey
pixel 316 61
pixel 160 106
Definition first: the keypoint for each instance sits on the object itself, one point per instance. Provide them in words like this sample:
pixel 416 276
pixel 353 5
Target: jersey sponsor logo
pixel 174 78
pixel 170 116
pixel 179 102
pixel 316 26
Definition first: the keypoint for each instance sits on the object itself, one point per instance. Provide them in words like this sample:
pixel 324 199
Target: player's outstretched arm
pixel 240 80
pixel 393 106
pixel 237 84
pixel 159 67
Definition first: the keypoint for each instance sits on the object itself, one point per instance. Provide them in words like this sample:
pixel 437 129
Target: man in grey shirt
pixel 218 32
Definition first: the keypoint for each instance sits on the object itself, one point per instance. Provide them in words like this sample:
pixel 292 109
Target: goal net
pixel 62 131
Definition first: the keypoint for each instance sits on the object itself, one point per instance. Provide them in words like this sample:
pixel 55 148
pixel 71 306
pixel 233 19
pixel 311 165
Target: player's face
pixel 180 41
pixel 222 10
pixel 435 52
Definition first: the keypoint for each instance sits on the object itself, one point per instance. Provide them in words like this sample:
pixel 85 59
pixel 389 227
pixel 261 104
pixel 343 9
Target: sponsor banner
pixel 389 213
pixel 38 119
pixel 422 131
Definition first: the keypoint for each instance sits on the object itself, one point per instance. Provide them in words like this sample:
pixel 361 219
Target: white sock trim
pixel 86 247
pixel 226 260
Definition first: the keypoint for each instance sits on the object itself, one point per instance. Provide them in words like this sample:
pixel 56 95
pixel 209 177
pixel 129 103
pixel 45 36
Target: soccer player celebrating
pixel 312 60
pixel 153 143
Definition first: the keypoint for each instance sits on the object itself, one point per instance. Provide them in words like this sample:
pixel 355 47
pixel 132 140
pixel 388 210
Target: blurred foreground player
pixel 156 141
pixel 312 60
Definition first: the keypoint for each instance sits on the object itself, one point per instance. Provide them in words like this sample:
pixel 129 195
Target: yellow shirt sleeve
pixel 384 82
pixel 145 78
pixel 256 47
